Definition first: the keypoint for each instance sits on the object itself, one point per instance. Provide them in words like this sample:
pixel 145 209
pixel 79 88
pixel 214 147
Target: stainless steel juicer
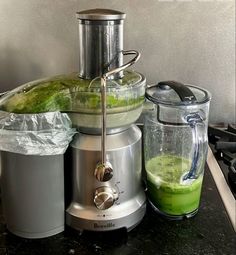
pixel 107 192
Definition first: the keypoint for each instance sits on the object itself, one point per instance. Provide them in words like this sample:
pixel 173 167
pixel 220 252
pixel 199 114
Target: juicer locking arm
pixel 123 67
pixel 104 171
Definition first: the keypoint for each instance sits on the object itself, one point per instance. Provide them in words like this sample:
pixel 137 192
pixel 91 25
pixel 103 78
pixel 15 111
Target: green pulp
pixel 70 93
pixel 165 190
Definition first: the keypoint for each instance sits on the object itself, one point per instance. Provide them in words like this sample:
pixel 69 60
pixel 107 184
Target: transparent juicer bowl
pixel 81 99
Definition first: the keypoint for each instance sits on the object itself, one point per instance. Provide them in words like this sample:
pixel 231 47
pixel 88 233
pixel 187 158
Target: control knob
pixel 105 197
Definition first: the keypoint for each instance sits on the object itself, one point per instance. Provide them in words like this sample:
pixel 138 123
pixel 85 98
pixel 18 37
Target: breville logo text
pixel 108 225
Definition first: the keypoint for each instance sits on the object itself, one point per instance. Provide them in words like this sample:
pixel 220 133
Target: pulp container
pixel 33 194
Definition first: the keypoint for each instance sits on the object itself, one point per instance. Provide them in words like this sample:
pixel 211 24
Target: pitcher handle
pixel 194 120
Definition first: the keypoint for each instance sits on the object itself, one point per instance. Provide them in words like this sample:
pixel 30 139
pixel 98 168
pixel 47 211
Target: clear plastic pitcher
pixel 175 147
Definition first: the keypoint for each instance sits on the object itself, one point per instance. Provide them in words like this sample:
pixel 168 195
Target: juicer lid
pixel 101 14
pixel 177 94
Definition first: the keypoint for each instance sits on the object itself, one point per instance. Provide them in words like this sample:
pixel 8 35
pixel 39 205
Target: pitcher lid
pixel 177 94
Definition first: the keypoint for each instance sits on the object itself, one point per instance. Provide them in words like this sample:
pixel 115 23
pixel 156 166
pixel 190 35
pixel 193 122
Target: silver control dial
pixel 105 197
pixel 103 172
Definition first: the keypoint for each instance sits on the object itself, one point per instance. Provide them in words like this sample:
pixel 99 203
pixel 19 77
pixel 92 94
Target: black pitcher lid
pixel 177 94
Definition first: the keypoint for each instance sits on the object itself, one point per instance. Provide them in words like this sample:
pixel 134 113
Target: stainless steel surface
pixel 100 43
pixel 101 14
pixel 124 153
pixel 96 131
pixel 128 215
pixel 105 197
pixel 33 194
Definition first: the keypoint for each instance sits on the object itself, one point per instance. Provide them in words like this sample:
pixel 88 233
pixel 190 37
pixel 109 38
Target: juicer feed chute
pixel 100 42
pixel 107 190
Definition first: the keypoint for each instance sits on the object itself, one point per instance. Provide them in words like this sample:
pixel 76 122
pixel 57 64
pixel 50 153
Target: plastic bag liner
pixel 35 134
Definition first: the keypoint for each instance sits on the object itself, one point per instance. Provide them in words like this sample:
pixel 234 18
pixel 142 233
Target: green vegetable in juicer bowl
pixel 80 98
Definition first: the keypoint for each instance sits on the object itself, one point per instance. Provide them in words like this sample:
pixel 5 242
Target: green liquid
pixel 166 192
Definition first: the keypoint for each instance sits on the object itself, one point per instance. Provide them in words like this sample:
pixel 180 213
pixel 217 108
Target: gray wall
pixel 189 41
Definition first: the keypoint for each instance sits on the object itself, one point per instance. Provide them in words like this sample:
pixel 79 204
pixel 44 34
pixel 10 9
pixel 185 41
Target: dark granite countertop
pixel 209 232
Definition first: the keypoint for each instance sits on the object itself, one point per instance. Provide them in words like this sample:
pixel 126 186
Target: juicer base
pixel 128 222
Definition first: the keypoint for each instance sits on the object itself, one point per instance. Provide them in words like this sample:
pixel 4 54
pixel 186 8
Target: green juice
pixel 165 190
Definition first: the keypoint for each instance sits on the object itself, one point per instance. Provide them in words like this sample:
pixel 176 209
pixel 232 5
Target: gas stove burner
pixel 224 141
pixel 232 174
pixel 232 128
pixel 226 135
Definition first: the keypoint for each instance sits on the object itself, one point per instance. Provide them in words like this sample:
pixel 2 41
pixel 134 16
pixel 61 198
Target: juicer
pixel 107 192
